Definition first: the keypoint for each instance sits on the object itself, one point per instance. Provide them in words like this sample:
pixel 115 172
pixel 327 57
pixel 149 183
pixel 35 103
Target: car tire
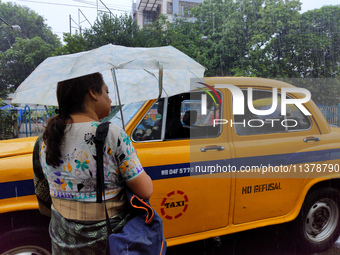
pixel 317 226
pixel 30 240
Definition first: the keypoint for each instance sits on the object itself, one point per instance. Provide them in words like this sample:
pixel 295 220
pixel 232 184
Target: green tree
pixel 214 20
pixel 186 37
pixel 119 30
pixel 157 34
pixel 32 25
pixel 19 57
pixel 317 54
pixel 245 37
pixel 267 38
pixel 273 40
pixel 107 29
pixel 318 43
pixel 8 122
pixel 73 44
pixel 20 60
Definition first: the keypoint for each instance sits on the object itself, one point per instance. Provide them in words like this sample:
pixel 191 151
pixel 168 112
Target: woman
pixel 68 160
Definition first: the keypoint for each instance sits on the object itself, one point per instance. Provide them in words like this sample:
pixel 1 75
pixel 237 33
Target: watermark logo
pixel 238 100
pixel 204 97
pixel 275 103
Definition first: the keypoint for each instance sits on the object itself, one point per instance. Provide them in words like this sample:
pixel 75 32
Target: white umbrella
pixel 140 73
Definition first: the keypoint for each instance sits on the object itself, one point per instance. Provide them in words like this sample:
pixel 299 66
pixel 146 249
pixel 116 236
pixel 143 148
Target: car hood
pixel 335 129
pixel 15 147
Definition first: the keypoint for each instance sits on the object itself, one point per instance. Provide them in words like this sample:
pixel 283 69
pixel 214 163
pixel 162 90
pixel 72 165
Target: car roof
pixel 246 81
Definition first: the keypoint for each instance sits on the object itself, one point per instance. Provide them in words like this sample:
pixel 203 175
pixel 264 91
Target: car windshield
pixel 129 110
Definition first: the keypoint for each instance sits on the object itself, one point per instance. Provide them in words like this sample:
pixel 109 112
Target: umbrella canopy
pixel 136 71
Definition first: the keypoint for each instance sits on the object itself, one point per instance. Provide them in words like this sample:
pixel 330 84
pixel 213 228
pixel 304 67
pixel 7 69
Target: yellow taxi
pixel 232 155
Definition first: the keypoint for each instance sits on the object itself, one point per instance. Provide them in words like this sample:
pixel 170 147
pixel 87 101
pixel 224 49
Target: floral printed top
pixel 75 178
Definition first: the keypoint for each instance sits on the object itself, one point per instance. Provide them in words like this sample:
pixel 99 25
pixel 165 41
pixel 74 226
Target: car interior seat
pixel 189 118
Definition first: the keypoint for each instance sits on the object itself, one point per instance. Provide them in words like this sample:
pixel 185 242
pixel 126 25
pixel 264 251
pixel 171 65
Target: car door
pixel 269 155
pixel 172 138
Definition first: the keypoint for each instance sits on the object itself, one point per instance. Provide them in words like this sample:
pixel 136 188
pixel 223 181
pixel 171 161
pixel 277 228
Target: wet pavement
pixel 273 240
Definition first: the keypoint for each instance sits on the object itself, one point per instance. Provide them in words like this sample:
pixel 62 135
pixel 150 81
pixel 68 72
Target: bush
pixel 8 124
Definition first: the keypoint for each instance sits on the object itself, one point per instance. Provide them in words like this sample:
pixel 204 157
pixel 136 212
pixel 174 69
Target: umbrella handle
pixel 160 80
pixel 120 104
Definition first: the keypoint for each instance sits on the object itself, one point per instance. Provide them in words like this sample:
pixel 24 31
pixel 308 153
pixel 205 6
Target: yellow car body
pixel 280 169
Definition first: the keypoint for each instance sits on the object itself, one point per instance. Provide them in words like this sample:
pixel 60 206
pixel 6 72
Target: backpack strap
pixel 101 134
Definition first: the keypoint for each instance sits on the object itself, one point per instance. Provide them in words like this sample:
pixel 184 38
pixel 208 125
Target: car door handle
pixel 316 139
pixel 219 148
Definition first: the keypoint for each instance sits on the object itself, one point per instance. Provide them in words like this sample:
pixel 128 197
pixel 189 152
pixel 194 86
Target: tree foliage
pixel 119 30
pixel 31 23
pixel 20 56
pixel 8 120
pixel 318 43
pixel 260 38
pixel 272 39
pixel 107 29
pixel 20 60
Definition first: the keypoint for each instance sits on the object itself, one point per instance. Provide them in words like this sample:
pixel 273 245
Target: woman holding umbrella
pixel 68 162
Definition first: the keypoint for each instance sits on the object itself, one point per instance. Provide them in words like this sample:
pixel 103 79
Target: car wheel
pixel 317 226
pixel 25 241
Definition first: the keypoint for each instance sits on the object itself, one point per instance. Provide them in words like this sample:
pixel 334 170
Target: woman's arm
pixel 42 190
pixel 141 185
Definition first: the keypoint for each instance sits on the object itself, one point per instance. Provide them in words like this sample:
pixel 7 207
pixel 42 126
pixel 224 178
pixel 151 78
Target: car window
pixel 250 123
pixel 128 110
pixel 150 128
pixel 183 116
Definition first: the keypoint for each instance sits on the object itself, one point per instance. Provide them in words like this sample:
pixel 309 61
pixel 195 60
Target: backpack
pixel 143 232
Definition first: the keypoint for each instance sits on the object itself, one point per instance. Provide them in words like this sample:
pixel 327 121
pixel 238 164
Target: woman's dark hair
pixel 71 95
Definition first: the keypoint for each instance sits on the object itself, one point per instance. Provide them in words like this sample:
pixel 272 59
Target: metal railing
pixel 33 121
pixel 332 114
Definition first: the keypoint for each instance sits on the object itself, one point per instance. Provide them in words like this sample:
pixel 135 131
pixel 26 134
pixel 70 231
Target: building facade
pixel 145 12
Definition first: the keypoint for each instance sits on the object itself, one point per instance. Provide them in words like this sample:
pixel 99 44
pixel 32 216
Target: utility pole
pixel 80 13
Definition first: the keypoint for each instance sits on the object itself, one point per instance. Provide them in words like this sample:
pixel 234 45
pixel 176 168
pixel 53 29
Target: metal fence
pixel 31 122
pixel 332 114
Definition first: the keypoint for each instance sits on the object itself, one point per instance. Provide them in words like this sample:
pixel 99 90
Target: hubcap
pixel 27 250
pixel 321 220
